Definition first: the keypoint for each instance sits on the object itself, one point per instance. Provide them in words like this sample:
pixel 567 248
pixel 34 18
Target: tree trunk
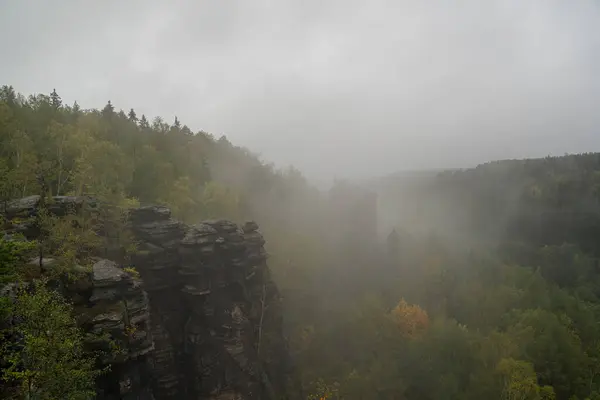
pixel 262 315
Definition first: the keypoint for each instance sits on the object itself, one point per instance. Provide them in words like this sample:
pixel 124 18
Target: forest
pixel 480 283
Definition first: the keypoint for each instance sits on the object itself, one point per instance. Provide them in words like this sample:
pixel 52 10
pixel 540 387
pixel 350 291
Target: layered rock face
pixel 203 321
pixel 118 307
pixel 213 306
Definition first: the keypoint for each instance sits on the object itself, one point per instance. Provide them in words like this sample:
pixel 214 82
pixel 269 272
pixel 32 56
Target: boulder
pixel 149 214
pixel 106 273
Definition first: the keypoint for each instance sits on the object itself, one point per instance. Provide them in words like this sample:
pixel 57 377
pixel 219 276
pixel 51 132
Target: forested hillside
pixel 124 159
pixel 487 288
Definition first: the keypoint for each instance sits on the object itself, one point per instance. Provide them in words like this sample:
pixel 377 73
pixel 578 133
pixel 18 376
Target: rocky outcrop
pixel 158 262
pixel 213 308
pixel 110 305
pixel 119 307
pixel 203 321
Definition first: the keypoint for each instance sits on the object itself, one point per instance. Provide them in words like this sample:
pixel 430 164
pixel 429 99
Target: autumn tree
pixel 411 319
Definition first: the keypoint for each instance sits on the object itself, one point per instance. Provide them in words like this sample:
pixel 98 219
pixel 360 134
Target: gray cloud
pixel 337 88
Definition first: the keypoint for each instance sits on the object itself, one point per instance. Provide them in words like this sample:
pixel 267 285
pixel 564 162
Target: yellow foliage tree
pixel 411 319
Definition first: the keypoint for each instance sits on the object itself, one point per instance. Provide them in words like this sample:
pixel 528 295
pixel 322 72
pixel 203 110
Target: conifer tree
pixel 55 99
pixel 108 110
pixel 144 122
pixel 132 116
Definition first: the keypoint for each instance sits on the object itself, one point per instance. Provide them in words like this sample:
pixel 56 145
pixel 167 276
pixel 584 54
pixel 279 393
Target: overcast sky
pixel 338 88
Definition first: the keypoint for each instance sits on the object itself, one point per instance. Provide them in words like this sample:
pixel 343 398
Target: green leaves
pixel 44 350
pixel 519 381
pixel 554 349
pixel 13 254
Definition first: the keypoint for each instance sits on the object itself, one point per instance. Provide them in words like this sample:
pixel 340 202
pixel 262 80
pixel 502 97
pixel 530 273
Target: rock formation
pixel 203 321
pixel 118 306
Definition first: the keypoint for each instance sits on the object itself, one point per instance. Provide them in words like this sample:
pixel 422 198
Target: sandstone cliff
pixel 201 321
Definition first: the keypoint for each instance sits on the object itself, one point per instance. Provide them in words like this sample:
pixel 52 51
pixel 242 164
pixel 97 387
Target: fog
pixel 349 89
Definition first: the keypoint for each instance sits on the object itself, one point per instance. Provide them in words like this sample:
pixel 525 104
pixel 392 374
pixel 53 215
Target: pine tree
pixel 144 122
pixel 187 130
pixel 108 110
pixel 132 116
pixel 8 94
pixel 55 99
pixel 74 112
